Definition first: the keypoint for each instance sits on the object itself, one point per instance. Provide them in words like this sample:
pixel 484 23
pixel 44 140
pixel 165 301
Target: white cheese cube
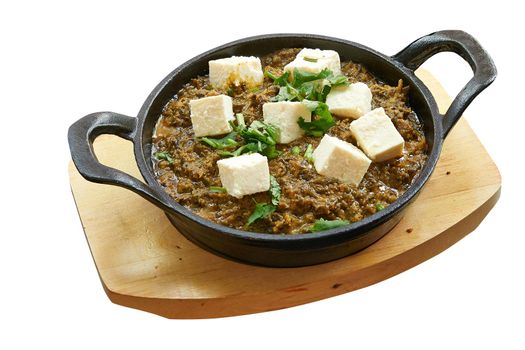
pixel 350 101
pixel 285 116
pixel 246 174
pixel 211 115
pixel 377 136
pixel 341 160
pixel 314 61
pixel 236 70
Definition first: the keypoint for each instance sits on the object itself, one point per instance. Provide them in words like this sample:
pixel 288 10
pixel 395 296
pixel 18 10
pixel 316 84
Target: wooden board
pixel 144 263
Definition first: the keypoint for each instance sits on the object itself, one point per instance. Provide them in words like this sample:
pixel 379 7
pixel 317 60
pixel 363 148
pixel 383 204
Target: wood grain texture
pixel 144 263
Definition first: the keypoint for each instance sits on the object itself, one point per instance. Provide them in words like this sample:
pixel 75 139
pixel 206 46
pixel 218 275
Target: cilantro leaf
pixel 164 155
pixel 296 150
pixel 287 93
pixel 322 224
pixel 311 105
pixel 261 210
pixel 337 80
pixel 301 77
pixel 275 190
pixel 321 121
pixel 281 81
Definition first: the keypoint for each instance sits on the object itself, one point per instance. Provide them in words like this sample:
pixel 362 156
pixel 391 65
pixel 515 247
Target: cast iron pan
pixel 274 249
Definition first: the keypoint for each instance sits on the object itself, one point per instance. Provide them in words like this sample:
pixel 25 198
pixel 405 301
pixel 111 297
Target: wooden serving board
pixel 145 263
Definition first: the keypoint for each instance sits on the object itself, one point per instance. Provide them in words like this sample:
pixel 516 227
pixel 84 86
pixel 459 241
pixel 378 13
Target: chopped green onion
pixel 309 153
pixel 310 59
pixel 217 189
pixel 259 137
pixel 296 150
pixel 225 142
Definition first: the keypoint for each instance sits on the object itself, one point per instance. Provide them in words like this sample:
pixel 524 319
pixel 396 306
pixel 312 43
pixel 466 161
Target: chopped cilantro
pixel 312 89
pixel 322 224
pixel 261 210
pixel 259 137
pixel 275 190
pixel 379 207
pixel 281 81
pixel 321 121
pixel 164 155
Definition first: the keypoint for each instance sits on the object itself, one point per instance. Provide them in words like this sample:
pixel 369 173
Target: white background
pixel 62 60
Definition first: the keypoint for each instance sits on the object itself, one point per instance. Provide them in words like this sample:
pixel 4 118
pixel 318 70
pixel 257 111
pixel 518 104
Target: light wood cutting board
pixel 144 263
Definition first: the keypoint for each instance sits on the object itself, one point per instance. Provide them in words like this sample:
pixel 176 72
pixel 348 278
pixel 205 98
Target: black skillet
pixel 274 249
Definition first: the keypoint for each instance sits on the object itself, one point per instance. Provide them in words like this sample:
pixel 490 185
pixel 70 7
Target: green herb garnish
pixel 379 207
pixel 322 224
pixel 239 117
pixel 306 85
pixel 310 59
pixel 312 89
pixel 275 190
pixel 259 137
pixel 281 81
pixel 217 189
pixel 296 150
pixel 164 155
pixel 261 210
pixel 225 142
pixel 309 153
pixel 322 120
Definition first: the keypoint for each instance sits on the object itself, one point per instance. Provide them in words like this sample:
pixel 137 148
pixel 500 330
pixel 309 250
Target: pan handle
pixel 465 46
pixel 81 136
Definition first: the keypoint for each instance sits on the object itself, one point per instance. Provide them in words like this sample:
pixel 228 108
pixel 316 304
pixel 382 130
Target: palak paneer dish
pixel 288 143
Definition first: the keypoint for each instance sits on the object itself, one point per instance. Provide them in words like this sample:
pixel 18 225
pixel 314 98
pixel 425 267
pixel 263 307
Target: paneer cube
pixel 236 70
pixel 314 61
pixel 211 115
pixel 285 115
pixel 350 101
pixel 341 160
pixel 377 136
pixel 246 174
